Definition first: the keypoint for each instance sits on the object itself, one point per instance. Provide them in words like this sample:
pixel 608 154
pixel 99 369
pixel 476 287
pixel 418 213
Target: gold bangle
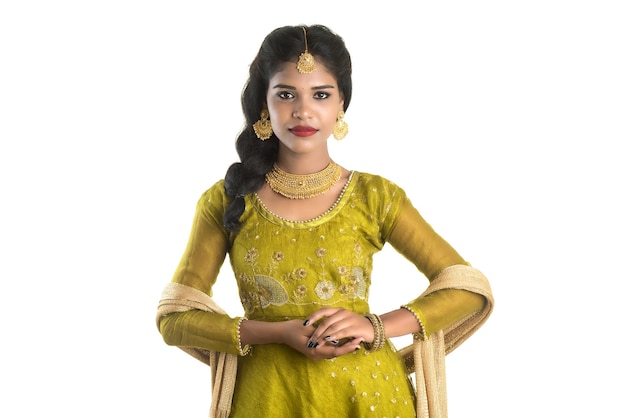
pixel 379 333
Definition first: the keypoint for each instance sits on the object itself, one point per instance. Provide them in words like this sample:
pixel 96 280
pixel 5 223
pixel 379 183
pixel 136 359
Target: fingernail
pixel 358 347
pixel 327 337
pixel 315 345
pixel 335 341
pixel 307 322
pixel 309 344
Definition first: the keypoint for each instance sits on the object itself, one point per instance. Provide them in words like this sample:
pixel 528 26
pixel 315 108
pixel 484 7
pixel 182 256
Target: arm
pixel 198 268
pixel 415 239
pixel 411 236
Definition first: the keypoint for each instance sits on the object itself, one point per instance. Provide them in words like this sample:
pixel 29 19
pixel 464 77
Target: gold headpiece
pixel 306 63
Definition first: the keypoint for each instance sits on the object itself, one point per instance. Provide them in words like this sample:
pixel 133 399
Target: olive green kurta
pixel 289 269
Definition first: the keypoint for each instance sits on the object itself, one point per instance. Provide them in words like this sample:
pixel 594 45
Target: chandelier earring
pixel 263 127
pixel 341 127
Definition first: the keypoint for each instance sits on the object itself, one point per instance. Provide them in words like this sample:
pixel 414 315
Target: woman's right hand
pixel 297 336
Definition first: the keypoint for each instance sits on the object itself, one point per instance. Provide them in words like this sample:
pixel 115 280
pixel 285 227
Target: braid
pixel 248 175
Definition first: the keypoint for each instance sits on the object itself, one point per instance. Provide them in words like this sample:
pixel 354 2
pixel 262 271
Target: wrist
pixel 379 333
pixel 260 332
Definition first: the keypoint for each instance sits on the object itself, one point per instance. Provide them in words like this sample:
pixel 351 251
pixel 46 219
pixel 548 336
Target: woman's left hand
pixel 335 325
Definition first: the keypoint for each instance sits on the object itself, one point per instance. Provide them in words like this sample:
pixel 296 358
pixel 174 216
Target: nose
pixel 302 110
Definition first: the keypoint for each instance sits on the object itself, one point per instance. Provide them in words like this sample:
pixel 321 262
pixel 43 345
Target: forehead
pixel 288 74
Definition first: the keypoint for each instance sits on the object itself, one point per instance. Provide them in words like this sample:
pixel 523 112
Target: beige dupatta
pixel 427 358
pixel 178 297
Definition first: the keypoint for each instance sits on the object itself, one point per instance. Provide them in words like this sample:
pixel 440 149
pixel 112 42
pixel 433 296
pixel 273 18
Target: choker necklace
pixel 303 186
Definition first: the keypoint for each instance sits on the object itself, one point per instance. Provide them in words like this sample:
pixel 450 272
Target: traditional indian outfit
pixel 287 270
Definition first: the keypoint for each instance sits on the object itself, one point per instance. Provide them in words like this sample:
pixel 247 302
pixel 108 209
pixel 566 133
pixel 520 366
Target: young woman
pixel 300 232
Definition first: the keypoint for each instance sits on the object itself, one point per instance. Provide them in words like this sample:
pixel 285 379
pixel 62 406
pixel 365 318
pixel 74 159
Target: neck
pixel 300 164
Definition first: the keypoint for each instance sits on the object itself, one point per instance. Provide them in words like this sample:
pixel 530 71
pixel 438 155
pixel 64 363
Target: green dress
pixel 287 270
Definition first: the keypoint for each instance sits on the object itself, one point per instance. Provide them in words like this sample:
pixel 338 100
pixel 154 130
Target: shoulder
pixel 382 199
pixel 378 187
pixel 214 198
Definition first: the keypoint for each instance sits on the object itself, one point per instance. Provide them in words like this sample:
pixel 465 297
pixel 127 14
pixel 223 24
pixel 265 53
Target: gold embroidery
pixel 297 274
pixel 300 293
pixel 251 255
pixel 259 288
pixel 325 289
pixel 278 256
pixel 271 292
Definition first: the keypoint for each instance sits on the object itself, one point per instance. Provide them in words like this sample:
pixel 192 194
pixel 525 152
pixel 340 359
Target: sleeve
pixel 416 240
pixel 199 267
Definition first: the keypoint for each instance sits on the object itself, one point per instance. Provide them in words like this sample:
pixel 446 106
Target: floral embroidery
pixel 268 282
pixel 358 283
pixel 300 292
pixel 297 274
pixel 325 289
pixel 244 278
pixel 251 256
pixel 249 300
pixel 270 291
pixel 278 256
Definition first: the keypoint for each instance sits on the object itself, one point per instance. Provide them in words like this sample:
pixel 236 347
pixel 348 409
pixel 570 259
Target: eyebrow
pixel 287 86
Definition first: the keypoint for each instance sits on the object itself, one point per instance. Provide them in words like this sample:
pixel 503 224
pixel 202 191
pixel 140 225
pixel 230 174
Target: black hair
pixel 257 157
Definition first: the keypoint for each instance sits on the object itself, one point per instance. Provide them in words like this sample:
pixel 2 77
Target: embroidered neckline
pixel 318 217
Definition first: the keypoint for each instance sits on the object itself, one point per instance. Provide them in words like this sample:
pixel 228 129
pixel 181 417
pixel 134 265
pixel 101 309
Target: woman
pixel 300 232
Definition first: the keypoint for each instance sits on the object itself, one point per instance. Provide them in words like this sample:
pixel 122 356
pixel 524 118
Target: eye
pixel 285 95
pixel 321 95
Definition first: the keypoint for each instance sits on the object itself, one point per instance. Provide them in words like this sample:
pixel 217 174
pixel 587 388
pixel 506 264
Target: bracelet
pixel 379 333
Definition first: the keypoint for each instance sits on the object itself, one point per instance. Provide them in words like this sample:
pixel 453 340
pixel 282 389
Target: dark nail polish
pixel 327 337
pixel 307 322
pixel 310 344
pixel 335 341
pixel 315 345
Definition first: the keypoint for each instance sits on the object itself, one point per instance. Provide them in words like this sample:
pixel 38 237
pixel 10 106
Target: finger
pixel 340 325
pixel 330 352
pixel 319 314
pixel 349 347
pixel 332 316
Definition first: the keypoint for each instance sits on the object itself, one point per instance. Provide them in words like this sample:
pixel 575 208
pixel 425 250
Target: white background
pixel 504 121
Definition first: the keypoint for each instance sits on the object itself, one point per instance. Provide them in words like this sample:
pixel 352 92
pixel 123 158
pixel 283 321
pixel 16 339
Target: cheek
pixel 276 116
pixel 277 112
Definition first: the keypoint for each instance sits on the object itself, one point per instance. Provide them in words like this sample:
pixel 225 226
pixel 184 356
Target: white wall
pixel 504 121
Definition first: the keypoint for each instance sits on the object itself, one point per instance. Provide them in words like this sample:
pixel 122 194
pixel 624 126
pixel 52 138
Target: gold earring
pixel 263 127
pixel 341 127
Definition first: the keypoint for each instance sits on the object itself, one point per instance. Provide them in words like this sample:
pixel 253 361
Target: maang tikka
pixel 306 62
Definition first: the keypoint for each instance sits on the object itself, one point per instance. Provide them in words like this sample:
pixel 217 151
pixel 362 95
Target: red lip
pixel 303 130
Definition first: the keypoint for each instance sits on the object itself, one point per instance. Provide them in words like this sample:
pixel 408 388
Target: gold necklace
pixel 303 186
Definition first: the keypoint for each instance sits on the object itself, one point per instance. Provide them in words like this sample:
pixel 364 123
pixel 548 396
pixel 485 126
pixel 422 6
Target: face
pixel 303 108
